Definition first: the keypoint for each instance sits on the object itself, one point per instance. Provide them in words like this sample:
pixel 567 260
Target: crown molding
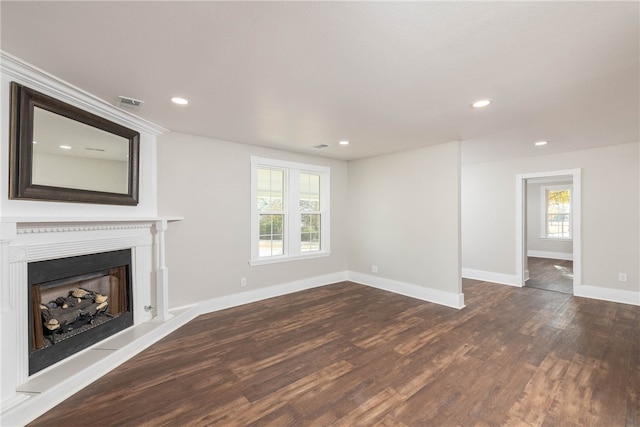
pixel 51 85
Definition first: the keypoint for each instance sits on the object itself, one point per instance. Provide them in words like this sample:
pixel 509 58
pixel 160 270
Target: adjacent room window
pixel 290 210
pixel 557 212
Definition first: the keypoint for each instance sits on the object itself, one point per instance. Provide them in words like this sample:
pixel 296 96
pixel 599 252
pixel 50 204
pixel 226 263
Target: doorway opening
pixel 548 230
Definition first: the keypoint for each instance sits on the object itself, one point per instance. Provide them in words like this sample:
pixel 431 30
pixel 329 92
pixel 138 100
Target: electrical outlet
pixel 374 268
pixel 243 282
pixel 622 277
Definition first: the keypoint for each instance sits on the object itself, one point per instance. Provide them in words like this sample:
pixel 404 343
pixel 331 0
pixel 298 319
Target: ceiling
pixel 387 76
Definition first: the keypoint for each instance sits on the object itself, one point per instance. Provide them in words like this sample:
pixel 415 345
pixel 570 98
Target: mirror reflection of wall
pixel 70 154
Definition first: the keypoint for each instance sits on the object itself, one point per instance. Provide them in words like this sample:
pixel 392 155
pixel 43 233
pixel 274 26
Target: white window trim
pixel 292 215
pixel 543 222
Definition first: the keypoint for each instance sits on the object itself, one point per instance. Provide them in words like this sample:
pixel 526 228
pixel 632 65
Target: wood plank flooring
pixel 550 274
pixel 349 355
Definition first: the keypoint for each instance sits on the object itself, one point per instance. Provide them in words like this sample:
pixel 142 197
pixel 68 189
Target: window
pixel 557 212
pixel 289 210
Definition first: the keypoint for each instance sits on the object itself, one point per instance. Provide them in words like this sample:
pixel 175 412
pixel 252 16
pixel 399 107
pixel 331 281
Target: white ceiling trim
pixel 38 79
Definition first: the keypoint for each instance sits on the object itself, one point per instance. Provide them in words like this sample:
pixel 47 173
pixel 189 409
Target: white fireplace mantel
pixel 24 240
pixel 30 239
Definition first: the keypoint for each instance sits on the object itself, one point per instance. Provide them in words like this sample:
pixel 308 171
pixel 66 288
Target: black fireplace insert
pixel 76 302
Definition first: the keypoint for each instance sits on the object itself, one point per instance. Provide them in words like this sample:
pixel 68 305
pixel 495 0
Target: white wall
pixel 399 211
pixel 208 182
pixel 538 245
pixel 404 217
pixel 610 211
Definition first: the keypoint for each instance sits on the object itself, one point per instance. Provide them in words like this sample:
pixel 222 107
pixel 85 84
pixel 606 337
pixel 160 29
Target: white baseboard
pixel 551 255
pixel 607 294
pixel 242 298
pixel 488 276
pixel 448 299
pixel 426 294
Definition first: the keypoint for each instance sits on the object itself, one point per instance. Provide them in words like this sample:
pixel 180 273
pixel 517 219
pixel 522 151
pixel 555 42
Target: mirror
pixel 62 153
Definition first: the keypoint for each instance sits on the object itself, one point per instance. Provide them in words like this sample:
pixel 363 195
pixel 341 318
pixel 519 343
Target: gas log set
pixel 76 302
pixel 73 312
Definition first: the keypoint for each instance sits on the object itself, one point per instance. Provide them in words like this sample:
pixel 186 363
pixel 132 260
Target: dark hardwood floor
pixel 550 274
pixel 347 355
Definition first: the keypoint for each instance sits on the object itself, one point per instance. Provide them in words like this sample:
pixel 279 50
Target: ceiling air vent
pixel 321 146
pixel 129 103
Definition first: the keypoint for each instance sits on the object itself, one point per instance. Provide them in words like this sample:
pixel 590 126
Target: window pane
pixel 309 192
pixel 558 201
pixel 310 232
pixel 270 190
pixel 558 225
pixel 559 213
pixel 271 235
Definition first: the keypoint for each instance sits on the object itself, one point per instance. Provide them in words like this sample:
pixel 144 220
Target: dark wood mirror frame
pixel 23 101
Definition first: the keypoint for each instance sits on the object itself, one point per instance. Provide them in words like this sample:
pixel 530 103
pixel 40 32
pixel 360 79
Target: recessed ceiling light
pixel 540 143
pixel 180 101
pixel 481 103
pixel 344 142
pixel 35 142
pixel 65 147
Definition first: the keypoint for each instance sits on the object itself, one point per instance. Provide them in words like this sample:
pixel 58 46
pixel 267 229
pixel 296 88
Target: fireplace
pixel 75 302
pixel 31 378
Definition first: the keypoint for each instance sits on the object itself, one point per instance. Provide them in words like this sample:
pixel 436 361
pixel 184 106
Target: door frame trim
pixel 521 241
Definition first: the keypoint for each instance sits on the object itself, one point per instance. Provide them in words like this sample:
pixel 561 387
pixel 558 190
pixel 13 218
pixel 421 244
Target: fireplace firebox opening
pixel 76 302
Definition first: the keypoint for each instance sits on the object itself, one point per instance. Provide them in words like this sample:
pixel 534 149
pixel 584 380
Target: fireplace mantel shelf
pixel 73 220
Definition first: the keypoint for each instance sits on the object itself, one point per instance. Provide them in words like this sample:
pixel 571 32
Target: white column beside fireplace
pixel 30 240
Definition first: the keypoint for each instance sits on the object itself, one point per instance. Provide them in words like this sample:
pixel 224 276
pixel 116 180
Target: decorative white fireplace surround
pixel 23 241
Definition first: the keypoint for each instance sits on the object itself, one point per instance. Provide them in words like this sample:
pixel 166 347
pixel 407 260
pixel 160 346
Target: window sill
pixel 275 260
pixel 557 239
